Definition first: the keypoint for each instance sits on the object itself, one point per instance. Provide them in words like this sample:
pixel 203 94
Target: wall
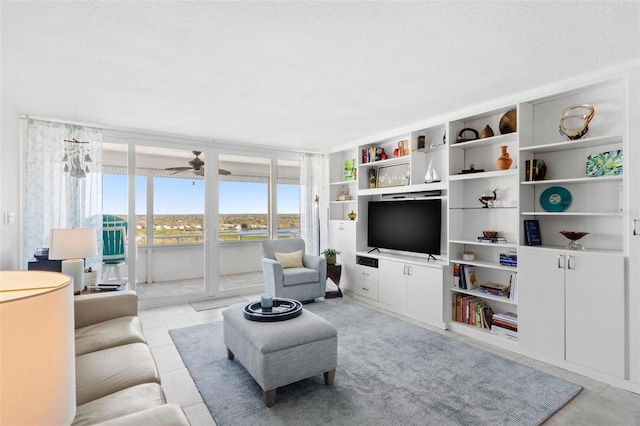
pixel 10 184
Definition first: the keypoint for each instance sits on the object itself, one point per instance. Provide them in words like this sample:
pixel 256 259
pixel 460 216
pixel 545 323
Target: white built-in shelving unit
pixel 556 286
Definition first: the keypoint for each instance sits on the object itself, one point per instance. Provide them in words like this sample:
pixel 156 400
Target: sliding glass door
pixel 258 199
pixel 196 216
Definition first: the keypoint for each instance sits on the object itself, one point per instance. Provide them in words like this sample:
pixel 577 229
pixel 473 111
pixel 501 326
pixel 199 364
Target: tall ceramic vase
pixel 504 161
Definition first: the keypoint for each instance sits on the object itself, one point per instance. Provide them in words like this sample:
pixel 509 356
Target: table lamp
pixel 37 355
pixel 72 246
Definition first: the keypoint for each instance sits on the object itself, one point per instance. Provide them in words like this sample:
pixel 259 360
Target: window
pixel 244 198
pixel 178 210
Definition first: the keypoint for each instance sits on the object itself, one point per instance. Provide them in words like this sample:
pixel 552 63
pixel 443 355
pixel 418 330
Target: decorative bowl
pixel 490 234
pixel 574 236
pixel 509 122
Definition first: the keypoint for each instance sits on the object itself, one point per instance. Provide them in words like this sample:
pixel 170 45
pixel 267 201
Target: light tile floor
pixel 196 285
pixel 597 405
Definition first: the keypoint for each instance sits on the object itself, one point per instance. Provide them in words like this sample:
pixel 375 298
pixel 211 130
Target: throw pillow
pixel 290 260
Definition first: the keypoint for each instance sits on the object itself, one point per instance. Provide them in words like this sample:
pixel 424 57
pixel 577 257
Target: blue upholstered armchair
pixel 290 273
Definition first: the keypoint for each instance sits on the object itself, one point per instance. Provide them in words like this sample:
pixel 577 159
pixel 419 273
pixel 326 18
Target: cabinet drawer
pixel 367 273
pixel 366 288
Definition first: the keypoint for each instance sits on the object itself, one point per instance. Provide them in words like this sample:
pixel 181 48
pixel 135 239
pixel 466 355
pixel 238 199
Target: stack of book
pixel 464 276
pixel 509 258
pixel 505 325
pixel 484 239
pixel 495 289
pixel 471 310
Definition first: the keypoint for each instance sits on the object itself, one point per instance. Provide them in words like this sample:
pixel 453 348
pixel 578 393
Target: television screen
pixel 406 225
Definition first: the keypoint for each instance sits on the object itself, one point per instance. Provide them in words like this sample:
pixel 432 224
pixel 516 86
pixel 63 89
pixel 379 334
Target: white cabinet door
pixel 595 311
pixel 425 293
pixel 348 256
pixel 342 237
pixel 541 300
pixel 571 307
pixel 335 235
pixel 392 283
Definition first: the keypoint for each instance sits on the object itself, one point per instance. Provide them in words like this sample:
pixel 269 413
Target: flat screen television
pixel 405 225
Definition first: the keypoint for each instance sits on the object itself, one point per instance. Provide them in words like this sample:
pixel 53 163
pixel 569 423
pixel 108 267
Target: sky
pixel 185 196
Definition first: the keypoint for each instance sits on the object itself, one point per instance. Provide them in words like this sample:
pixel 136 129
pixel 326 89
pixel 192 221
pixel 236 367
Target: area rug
pixel 204 305
pixel 390 372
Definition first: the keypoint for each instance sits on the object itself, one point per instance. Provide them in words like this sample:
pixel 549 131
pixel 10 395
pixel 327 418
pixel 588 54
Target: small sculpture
pixel 489 197
pixel 575 126
pixel 431 175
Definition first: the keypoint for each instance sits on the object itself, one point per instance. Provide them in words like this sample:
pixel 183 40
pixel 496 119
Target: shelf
pixel 343 202
pixel 579 180
pixel 484 175
pixel 344 182
pixel 586 250
pixel 431 148
pixel 593 214
pixel 577 144
pixel 482 333
pixel 406 189
pixel 483 208
pixel 480 243
pixel 477 143
pixel 389 161
pixel 485 264
pixel 476 292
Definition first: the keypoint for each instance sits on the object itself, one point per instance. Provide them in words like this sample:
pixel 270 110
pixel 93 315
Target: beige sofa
pixel 117 381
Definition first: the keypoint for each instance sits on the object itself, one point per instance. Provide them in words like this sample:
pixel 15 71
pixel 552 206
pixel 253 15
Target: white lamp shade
pixel 37 355
pixel 74 243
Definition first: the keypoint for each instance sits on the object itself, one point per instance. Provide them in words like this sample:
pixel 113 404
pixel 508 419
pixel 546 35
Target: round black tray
pixel 283 309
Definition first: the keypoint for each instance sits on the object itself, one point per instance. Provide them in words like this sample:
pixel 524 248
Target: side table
pixel 334 272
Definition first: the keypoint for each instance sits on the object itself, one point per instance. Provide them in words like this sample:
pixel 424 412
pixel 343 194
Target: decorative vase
pixel 331 259
pixel 504 161
pixel 352 215
pixel 487 132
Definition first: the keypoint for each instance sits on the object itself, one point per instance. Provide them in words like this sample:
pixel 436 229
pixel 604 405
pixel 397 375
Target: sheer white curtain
pixel 52 197
pixel 314 182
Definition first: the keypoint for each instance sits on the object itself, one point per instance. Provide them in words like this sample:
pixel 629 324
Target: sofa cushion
pixel 164 415
pixel 121 403
pixel 295 276
pixel 108 334
pixel 290 260
pixel 111 370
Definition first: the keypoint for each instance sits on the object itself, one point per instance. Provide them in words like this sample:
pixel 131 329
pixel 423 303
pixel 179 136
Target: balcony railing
pixel 223 236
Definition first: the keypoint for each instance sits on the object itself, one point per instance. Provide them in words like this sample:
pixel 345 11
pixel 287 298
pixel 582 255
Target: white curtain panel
pixel 53 198
pixel 314 181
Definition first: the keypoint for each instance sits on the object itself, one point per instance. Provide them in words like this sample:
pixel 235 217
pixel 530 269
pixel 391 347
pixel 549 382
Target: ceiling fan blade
pixel 180 169
pixel 224 172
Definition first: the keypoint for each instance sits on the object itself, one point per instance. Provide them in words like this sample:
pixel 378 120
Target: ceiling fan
pixel 196 166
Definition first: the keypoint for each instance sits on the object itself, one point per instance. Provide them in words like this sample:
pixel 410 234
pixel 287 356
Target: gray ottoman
pixel 282 352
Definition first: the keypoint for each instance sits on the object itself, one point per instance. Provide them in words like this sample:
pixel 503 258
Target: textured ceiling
pixel 299 75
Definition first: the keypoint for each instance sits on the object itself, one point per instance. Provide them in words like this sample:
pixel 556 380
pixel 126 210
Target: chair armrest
pixel 95 308
pixel 273 275
pixel 319 263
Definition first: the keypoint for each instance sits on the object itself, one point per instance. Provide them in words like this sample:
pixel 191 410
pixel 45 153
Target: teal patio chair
pixel 114 250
